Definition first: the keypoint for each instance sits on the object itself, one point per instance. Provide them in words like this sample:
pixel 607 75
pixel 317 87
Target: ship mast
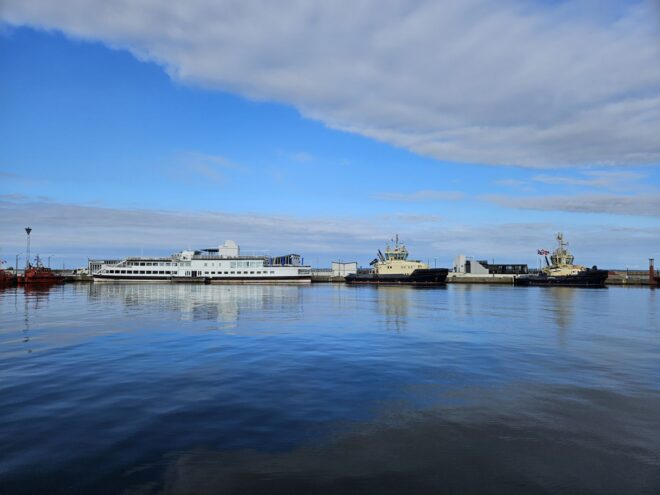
pixel 560 240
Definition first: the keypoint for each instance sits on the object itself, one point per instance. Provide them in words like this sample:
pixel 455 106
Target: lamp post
pixel 27 260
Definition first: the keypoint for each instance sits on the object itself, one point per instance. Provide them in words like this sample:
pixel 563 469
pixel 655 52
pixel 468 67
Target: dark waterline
pixel 187 389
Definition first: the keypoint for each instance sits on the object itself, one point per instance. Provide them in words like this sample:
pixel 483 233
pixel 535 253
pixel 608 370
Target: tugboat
pixel 562 272
pixel 39 274
pixel 394 268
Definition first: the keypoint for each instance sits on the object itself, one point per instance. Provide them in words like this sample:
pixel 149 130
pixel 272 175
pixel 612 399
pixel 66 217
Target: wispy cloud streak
pixel 425 195
pixel 594 178
pixel 645 205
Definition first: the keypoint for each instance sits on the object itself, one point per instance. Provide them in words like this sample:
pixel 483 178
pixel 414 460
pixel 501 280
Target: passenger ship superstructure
pixel 224 264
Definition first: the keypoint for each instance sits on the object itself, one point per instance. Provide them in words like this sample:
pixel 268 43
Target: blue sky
pixel 111 143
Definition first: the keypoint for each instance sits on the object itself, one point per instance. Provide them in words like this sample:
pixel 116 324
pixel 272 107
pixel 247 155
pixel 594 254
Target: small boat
pixel 562 272
pixel 394 268
pixel 7 279
pixel 38 274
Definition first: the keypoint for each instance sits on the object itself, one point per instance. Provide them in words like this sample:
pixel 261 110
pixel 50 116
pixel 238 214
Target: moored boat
pixel 7 279
pixel 38 274
pixel 224 264
pixel 394 268
pixel 562 272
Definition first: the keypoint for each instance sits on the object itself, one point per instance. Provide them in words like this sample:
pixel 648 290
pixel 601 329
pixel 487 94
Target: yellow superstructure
pixel 395 261
pixel 562 260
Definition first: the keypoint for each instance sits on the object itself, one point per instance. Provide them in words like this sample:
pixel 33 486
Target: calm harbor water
pixel 193 389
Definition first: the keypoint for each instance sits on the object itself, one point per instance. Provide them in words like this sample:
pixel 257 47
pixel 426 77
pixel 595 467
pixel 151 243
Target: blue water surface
pixel 177 389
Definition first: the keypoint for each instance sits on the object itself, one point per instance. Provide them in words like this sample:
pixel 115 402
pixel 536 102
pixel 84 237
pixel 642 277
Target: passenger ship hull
pixel 261 280
pixel 298 279
pixel 205 280
pixel 132 278
pixel 422 277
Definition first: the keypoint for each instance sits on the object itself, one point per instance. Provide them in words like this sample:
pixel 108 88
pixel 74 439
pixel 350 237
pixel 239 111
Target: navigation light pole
pixel 27 259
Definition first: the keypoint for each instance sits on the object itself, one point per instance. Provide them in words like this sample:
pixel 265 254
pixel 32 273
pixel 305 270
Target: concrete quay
pixel 467 278
pixel 616 277
pixel 629 277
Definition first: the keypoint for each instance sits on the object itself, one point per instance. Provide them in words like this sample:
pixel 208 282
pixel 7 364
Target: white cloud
pixel 192 167
pixel 646 205
pixel 413 218
pixel 536 84
pixel 593 178
pixel 300 156
pixel 426 195
pixel 516 184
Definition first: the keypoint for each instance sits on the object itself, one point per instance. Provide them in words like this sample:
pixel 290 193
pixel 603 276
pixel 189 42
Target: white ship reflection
pixel 224 304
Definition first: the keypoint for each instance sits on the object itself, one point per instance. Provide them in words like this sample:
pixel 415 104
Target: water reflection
pixel 221 303
pixel 400 304
pixel 436 451
pixel 394 304
pixel 561 302
pixel 462 297
pixel 35 299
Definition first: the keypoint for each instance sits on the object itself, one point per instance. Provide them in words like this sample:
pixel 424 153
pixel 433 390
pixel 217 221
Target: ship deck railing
pixel 231 258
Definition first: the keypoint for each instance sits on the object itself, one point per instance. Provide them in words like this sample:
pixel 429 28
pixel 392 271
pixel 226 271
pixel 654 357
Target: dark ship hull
pixel 588 278
pixel 426 277
pixel 7 279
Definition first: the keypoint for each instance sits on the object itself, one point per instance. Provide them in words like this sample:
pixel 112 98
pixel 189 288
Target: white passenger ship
pixel 217 265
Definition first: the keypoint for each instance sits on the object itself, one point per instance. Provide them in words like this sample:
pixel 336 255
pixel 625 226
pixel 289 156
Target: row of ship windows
pixel 149 263
pixel 265 272
pixel 142 272
pixel 168 272
pixel 239 264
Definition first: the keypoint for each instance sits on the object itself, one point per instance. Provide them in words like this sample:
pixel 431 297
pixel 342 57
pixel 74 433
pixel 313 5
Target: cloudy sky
pixel 471 126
